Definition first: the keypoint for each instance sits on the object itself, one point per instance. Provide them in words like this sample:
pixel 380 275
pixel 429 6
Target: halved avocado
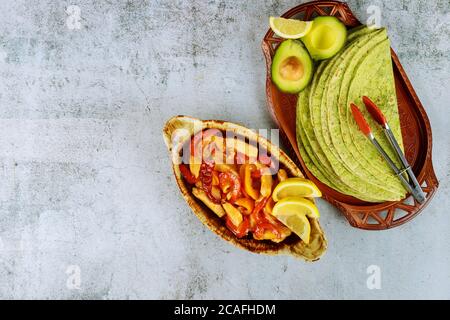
pixel 326 38
pixel 292 67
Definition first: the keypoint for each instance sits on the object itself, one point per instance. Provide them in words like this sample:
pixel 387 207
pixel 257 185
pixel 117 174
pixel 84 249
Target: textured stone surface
pixel 85 177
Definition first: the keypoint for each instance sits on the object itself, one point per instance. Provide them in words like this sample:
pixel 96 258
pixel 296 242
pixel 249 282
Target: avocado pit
pixel 292 69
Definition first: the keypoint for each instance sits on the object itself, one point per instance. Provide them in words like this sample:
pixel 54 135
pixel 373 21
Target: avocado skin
pixel 341 36
pixel 291 48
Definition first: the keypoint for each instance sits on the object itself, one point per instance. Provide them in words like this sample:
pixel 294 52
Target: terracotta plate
pixel 415 126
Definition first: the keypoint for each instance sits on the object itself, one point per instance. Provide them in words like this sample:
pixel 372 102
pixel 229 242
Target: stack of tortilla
pixel 330 143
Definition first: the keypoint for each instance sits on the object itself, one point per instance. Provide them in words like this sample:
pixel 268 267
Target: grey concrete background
pixel 85 178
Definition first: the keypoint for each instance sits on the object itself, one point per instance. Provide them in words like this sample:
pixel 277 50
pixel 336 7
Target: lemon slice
pixel 290 28
pixel 293 212
pixel 295 206
pixel 296 187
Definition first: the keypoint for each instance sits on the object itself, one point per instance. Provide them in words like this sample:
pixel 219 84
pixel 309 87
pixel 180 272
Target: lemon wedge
pixel 290 28
pixel 293 213
pixel 296 205
pixel 295 187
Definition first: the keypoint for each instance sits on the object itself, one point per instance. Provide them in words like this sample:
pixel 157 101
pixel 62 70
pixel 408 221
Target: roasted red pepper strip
pixel 263 224
pixel 248 181
pixel 259 205
pixel 261 228
pixel 186 173
pixel 256 174
pixel 227 178
pixel 240 231
pixel 206 176
pixel 198 140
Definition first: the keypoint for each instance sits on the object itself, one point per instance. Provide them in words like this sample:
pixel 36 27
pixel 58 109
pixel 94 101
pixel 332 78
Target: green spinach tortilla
pixel 330 143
